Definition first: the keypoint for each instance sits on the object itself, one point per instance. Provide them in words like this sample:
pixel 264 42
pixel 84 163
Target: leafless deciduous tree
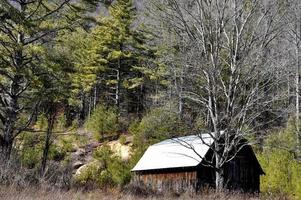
pixel 293 36
pixel 228 72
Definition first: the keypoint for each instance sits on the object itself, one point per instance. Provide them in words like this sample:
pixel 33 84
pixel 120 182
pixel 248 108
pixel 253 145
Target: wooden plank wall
pixel 173 181
pixel 242 174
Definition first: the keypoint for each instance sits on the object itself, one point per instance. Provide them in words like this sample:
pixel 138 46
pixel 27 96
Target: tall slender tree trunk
pixel 180 96
pixel 288 90
pixel 219 171
pixel 50 121
pixel 82 109
pixel 6 150
pixel 13 100
pixel 118 83
pixel 297 105
pixel 297 86
pixel 117 92
pixel 90 105
pixel 7 143
pixel 13 104
pixel 95 97
pixel 219 179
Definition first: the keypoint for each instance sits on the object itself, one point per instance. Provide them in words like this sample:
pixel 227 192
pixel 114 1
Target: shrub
pixel 31 144
pixel 107 170
pixel 122 139
pixel 120 171
pixel 115 170
pixel 89 174
pixel 103 121
pixel 41 123
pixel 283 173
pixel 61 122
pixel 277 165
pixel 296 174
pixel 279 162
pixel 67 144
pixel 30 157
pixel 56 153
pixel 30 149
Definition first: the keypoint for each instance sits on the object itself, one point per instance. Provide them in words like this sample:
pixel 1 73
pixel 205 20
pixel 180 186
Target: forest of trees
pixel 78 72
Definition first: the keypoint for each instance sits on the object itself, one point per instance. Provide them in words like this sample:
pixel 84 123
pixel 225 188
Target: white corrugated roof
pixel 177 152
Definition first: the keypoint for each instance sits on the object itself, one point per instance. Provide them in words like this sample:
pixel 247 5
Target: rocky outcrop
pixel 83 157
pixel 123 151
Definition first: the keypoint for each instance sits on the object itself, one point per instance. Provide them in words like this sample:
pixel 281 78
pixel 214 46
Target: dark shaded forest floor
pixel 41 194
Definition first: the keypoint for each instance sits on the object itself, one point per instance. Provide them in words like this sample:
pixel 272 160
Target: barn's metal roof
pixel 185 151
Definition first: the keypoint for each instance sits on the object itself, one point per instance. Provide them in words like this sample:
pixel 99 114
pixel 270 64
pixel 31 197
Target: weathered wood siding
pixel 242 173
pixel 168 181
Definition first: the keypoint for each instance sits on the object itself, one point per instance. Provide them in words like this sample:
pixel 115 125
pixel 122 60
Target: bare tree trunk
pixel 117 92
pixel 219 171
pixel 90 106
pixel 288 90
pixel 297 104
pixel 297 85
pixel 95 97
pixel 219 179
pixel 181 93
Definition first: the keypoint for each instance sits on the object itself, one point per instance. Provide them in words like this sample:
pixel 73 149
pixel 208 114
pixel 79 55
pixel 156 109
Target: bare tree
pixel 293 36
pixel 226 57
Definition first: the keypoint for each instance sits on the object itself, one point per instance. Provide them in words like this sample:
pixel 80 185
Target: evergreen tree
pixel 26 28
pixel 122 50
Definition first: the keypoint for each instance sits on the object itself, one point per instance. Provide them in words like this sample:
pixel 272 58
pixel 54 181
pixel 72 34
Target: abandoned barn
pixel 177 165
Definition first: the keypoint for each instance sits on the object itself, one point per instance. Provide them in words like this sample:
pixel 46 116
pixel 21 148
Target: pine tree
pixel 122 51
pixel 26 29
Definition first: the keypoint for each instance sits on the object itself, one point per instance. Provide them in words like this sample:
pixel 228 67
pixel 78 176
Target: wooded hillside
pixel 87 86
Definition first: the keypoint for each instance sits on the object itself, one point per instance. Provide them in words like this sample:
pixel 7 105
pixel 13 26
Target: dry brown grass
pixel 44 191
pixel 12 193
